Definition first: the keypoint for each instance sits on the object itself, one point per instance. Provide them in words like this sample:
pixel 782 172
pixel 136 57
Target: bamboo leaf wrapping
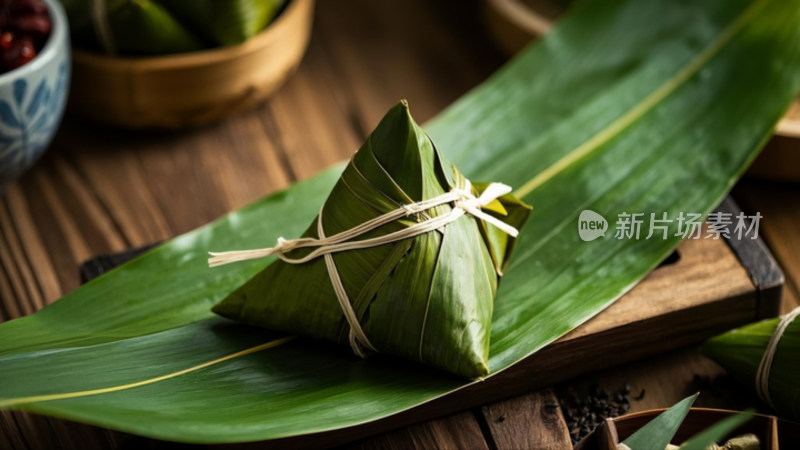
pixel 740 351
pixel 626 105
pixel 427 298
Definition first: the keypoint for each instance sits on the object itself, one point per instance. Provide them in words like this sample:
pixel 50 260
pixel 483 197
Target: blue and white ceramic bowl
pixel 32 99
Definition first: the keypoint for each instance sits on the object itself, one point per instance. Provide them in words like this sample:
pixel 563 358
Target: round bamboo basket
pixel 194 88
pixel 514 23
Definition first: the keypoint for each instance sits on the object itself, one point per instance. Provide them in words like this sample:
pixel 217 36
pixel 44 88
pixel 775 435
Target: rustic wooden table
pixel 100 191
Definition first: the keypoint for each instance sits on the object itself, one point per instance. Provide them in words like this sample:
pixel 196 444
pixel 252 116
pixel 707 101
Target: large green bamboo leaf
pixel 637 106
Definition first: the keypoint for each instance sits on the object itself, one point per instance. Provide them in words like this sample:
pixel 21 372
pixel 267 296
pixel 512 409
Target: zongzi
pixel 766 356
pixel 403 258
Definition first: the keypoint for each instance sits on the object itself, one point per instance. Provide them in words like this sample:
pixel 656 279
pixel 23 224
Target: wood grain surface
pixel 101 191
pixel 531 421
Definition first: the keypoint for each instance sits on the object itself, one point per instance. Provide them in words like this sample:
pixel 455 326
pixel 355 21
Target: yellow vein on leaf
pixel 643 107
pixel 67 395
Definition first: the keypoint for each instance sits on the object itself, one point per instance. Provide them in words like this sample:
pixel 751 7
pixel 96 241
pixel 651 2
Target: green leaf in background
pixel 224 22
pixel 658 433
pixel 637 106
pixel 717 432
pixel 740 351
pixel 141 27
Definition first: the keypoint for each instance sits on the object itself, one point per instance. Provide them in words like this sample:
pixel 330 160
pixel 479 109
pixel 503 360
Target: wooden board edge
pixel 762 267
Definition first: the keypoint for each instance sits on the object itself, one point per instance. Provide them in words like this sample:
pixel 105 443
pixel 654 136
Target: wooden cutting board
pixel 707 286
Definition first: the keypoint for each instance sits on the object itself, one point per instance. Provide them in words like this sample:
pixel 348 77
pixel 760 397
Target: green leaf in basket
pixel 224 22
pixel 141 27
pixel 658 433
pixel 717 432
pixel 626 106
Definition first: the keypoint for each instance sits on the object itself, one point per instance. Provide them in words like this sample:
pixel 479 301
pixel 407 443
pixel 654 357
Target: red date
pixel 24 28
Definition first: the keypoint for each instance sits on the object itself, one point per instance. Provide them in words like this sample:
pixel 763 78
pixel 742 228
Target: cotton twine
pixel 463 202
pixel 764 368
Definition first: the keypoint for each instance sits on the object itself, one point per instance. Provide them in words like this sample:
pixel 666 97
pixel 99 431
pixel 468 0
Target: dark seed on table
pixel 587 408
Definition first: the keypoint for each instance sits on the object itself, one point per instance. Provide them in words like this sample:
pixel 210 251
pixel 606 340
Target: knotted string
pixel 764 368
pixel 359 341
pixel 463 200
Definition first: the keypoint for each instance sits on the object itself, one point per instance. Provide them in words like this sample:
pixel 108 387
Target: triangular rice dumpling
pixel 428 297
pixel 765 356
